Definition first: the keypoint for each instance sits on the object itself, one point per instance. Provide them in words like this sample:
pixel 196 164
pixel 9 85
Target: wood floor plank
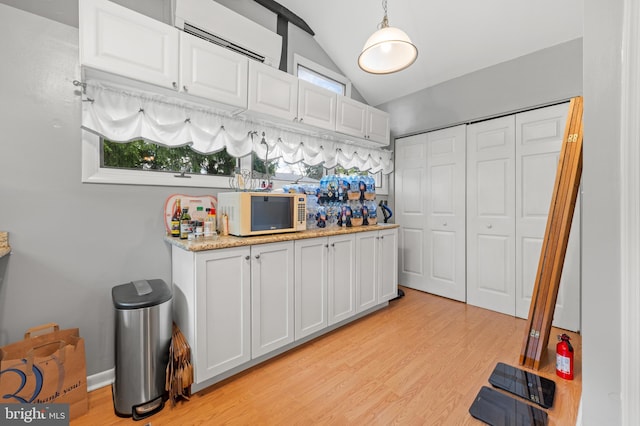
pixel 420 361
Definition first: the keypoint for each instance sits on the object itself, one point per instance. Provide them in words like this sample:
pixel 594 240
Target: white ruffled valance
pixel 122 115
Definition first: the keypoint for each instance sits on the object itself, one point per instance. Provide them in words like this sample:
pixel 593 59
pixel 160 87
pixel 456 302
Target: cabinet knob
pixel 247 257
pixel 333 244
pixel 489 226
pixel 382 237
pixel 257 256
pixel 175 85
pixel 301 120
pixel 185 88
pixel 444 224
pixel 326 245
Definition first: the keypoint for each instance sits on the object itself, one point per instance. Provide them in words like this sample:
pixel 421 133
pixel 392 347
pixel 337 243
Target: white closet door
pixel 446 201
pixel 539 135
pixel 491 215
pixel 430 208
pixel 411 210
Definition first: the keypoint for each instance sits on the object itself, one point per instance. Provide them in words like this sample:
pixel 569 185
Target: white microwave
pixel 260 213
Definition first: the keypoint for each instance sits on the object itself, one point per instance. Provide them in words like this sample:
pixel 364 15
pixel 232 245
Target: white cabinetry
pixel 387 264
pixel 212 307
pixel 120 41
pixel 271 297
pixel 311 260
pixel 366 270
pixel 376 268
pixel 316 106
pixel 272 92
pixel 212 72
pixel 362 121
pixel 341 277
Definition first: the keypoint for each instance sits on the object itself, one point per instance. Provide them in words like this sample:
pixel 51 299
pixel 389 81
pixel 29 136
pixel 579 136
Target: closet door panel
pixel 539 135
pixel 446 175
pixel 410 203
pixel 491 215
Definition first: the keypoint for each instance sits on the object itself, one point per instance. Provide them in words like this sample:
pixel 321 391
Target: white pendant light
pixel 388 50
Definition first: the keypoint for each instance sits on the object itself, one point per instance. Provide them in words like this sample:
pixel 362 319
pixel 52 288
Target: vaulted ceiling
pixel 454 37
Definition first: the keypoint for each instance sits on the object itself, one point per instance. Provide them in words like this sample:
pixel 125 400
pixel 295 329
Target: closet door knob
pixel 444 224
pixel 489 226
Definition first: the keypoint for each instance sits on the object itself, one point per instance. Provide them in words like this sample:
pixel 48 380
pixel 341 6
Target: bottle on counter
pixel 175 220
pixel 185 224
pixel 210 223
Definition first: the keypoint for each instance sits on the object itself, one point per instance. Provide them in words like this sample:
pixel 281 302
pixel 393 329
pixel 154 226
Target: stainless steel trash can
pixel 143 335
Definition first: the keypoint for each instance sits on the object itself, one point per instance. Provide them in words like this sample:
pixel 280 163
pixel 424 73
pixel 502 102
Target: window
pixel 131 163
pixel 143 155
pixel 317 74
pixel 313 77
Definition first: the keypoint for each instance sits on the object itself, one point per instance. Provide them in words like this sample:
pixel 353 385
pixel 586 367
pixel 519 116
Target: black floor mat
pixel 497 409
pixel 524 384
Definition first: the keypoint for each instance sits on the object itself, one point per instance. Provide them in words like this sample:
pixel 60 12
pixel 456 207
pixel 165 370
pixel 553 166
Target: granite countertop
pixel 232 241
pixel 4 244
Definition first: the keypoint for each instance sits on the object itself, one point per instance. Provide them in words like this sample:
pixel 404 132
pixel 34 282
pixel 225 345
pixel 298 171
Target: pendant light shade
pixel 388 50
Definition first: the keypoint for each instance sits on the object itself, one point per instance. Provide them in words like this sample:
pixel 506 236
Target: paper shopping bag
pixel 45 369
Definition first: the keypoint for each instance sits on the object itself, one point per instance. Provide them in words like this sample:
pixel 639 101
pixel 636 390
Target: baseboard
pixel 99 380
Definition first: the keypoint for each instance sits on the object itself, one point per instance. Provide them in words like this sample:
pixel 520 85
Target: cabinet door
pixel 491 215
pixel 316 106
pixel 342 280
pixel 121 41
pixel 387 265
pixel 377 126
pixel 223 311
pixel 271 297
pixel 352 117
pixel 272 91
pixel 310 286
pixel 212 72
pixel 366 270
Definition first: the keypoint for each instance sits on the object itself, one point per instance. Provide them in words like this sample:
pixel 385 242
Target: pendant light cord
pixel 385 20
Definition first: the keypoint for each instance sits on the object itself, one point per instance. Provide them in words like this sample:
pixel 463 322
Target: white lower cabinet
pixel 387 264
pixel 271 297
pixel 212 307
pixel 237 305
pixel 310 286
pixel 341 277
pixel 376 268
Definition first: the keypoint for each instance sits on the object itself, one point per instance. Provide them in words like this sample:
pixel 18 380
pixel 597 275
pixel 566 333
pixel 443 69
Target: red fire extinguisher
pixel 564 357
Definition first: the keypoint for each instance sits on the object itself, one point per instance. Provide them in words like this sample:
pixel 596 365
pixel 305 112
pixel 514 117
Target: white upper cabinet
pixel 377 126
pixel 120 41
pixel 272 92
pixel 362 121
pixel 212 72
pixel 316 106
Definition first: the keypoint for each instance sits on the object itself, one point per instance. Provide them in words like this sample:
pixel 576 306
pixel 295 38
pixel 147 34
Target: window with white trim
pixel 314 73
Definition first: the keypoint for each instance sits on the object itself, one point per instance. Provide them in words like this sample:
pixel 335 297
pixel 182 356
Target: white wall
pixel 601 305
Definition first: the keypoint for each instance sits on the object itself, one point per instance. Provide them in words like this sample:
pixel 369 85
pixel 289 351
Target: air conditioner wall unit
pixel 220 25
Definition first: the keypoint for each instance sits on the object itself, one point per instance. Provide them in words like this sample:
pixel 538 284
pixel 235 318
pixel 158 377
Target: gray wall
pixel 540 78
pixel 72 242
pixel 601 285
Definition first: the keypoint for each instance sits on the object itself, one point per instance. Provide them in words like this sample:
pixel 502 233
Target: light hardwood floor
pixel 420 361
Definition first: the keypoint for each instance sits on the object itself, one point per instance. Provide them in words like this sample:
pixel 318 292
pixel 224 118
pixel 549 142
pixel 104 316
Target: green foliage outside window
pixel 148 156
